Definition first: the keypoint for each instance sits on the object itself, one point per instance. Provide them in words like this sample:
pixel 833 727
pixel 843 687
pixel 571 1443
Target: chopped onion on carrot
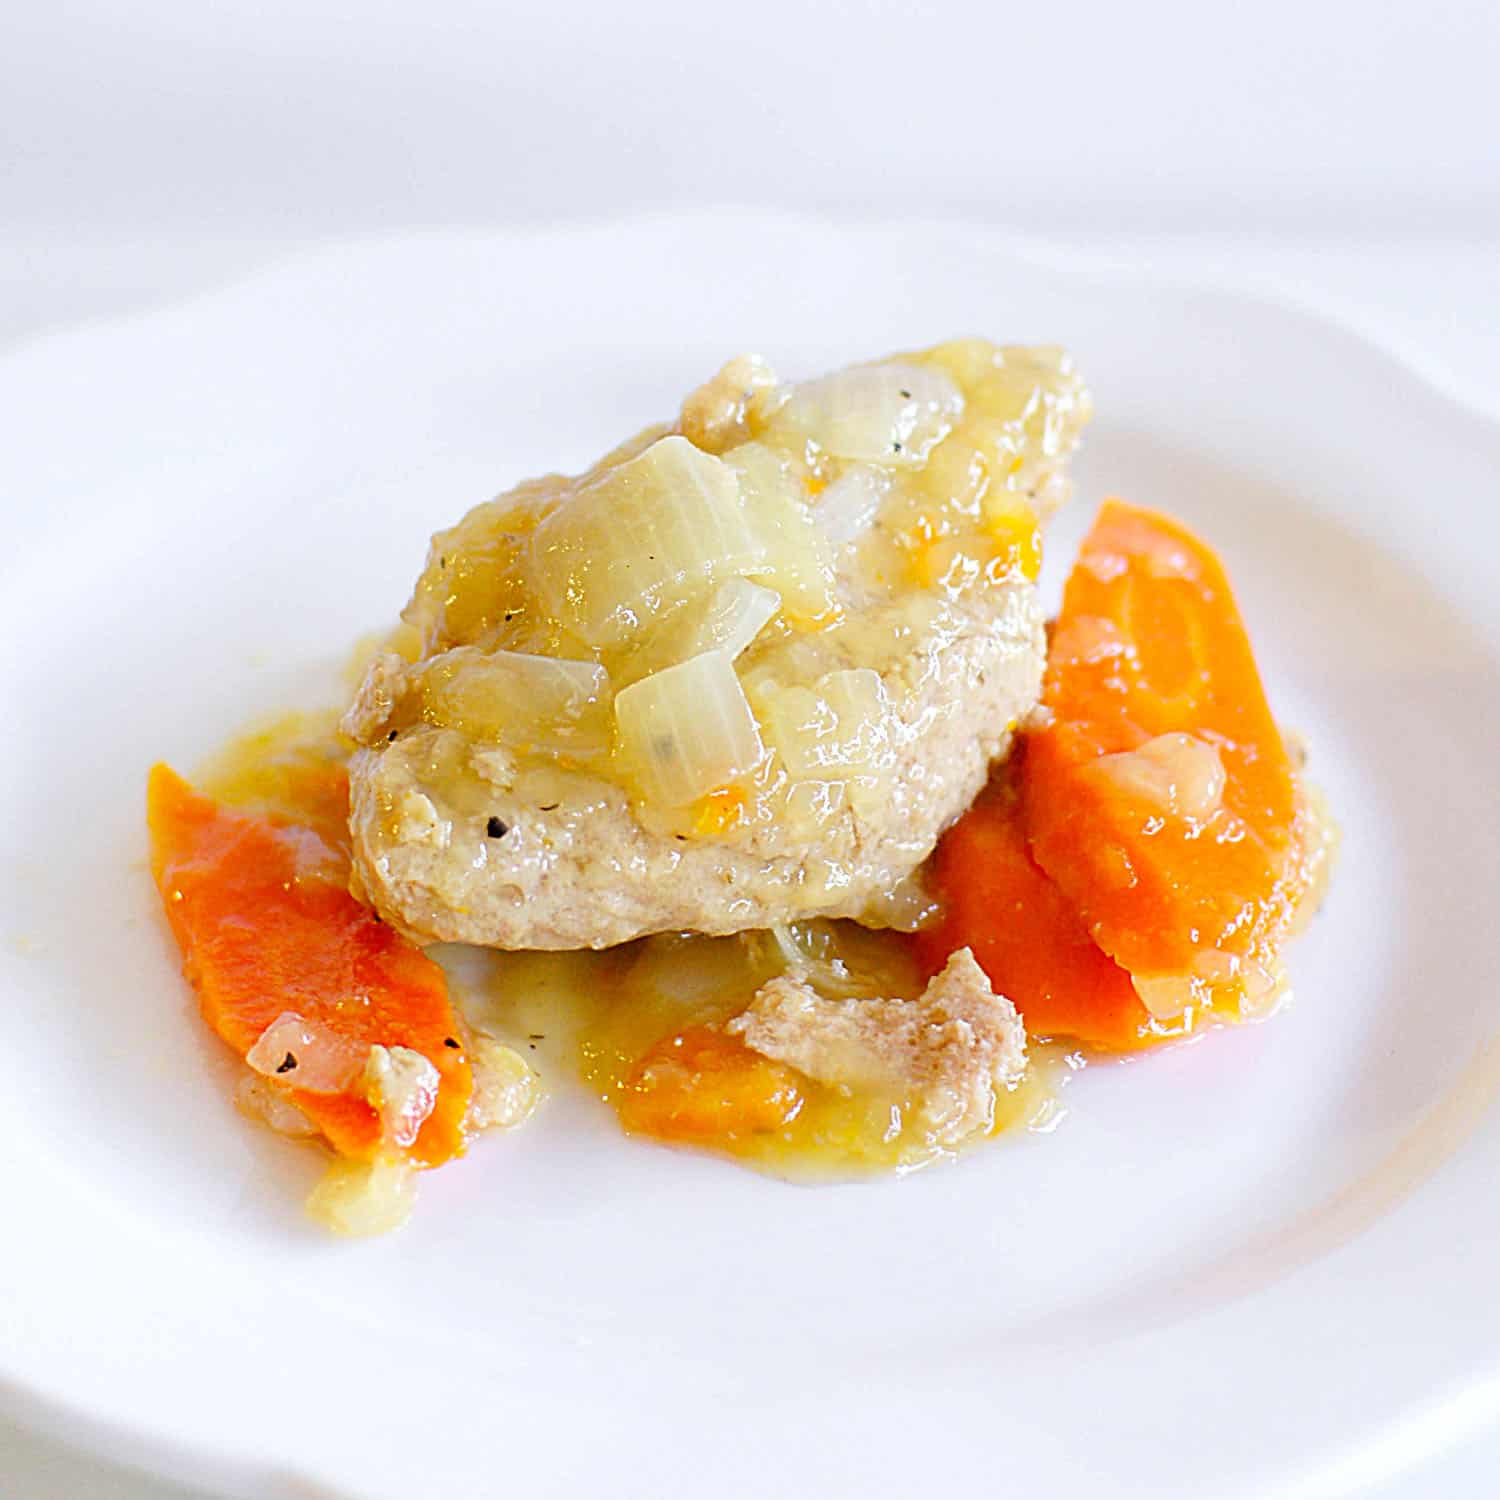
pixel 402 1085
pixel 307 1055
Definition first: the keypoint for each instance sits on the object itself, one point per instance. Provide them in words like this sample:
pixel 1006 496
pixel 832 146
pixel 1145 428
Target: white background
pixel 1345 154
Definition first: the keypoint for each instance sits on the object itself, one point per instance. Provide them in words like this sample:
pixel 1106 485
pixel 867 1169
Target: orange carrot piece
pixel 1026 935
pixel 261 910
pixel 1149 642
pixel 703 1086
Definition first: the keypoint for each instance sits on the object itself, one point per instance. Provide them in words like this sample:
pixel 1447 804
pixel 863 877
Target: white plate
pixel 1260 1264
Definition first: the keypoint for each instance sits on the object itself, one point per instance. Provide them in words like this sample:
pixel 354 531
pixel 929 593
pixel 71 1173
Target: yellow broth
pixel 596 1013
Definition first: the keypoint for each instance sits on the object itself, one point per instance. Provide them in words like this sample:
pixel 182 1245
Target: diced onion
pixel 511 697
pixel 886 413
pixel 796 720
pixel 906 906
pixel 307 1055
pixel 809 808
pixel 836 730
pixel 688 730
pixel 474 581
pixel 360 1198
pixel 862 709
pixel 846 510
pixel 1167 996
pixel 644 537
pixel 263 1100
pixel 402 1085
pixel 728 620
pixel 738 611
pixel 1212 976
pixel 799 560
pixel 505 1088
pixel 816 951
pixel 1262 988
pixel 1177 774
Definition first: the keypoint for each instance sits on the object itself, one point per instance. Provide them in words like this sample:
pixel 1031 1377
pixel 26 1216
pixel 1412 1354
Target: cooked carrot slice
pixel 1160 796
pixel 1026 935
pixel 262 913
pixel 703 1086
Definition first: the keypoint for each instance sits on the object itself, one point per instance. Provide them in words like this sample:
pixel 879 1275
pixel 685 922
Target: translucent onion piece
pixel 886 413
pixel 360 1198
pixel 263 1100
pixel 641 539
pixel 728 620
pixel 1177 774
pixel 505 1088
pixel 846 510
pixel 862 709
pixel 815 951
pixel 1167 996
pixel 514 698
pixel 906 906
pixel 1257 986
pixel 474 581
pixel 687 731
pixel 402 1085
pixel 809 808
pixel 795 720
pixel 836 730
pixel 307 1055
pixel 800 561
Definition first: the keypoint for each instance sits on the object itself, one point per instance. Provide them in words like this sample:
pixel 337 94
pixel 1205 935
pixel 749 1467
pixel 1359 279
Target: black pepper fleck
pixel 392 735
pixel 451 1041
pixel 550 806
pixel 907 394
pixel 496 828
pixel 287 1064
pixel 896 446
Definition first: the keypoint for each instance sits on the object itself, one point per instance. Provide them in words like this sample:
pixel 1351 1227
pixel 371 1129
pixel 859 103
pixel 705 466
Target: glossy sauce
pixel 599 1013
pixel 957 517
pixel 595 1014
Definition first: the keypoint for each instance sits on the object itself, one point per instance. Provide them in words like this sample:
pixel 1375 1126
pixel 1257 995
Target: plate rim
pixel 160 1451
